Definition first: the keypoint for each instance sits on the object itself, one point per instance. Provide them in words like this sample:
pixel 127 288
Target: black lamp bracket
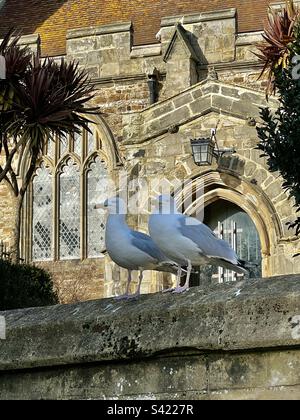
pixel 218 153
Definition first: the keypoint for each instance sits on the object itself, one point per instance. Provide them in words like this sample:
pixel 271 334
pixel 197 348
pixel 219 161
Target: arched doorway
pixel 234 225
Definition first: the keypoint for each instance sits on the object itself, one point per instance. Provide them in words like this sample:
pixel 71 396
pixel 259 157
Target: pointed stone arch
pixel 105 139
pixel 218 186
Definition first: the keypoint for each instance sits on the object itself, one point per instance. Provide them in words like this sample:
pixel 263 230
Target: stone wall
pixel 235 341
pixel 77 280
pixel 7 215
pixel 206 75
pixel 243 178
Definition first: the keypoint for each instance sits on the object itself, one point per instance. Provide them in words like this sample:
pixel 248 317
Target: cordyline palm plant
pixel 280 131
pixel 48 101
pixel 278 47
pixel 17 60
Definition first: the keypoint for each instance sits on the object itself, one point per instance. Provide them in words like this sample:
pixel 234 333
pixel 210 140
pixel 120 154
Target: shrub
pixel 23 286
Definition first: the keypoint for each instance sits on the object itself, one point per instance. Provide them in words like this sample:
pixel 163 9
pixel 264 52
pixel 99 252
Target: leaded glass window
pixel 69 211
pixel 91 141
pixel 78 144
pixel 42 224
pixel 64 146
pixel 71 179
pixel 51 148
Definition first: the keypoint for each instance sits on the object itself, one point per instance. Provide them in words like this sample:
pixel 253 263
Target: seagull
pixel 131 249
pixel 158 35
pixel 189 242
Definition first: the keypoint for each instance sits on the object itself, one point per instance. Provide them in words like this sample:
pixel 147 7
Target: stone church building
pixel 164 72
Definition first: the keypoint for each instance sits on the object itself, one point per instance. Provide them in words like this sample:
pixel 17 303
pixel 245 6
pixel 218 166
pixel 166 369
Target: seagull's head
pixel 114 205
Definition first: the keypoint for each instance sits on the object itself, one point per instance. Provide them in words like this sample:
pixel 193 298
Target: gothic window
pixel 71 178
pixel 42 214
pixel 69 211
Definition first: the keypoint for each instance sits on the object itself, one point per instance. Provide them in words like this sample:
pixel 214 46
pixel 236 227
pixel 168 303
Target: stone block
pixel 201 105
pixel 245 108
pixel 230 91
pixel 210 88
pixel 222 103
pixel 259 176
pixel 182 99
pixel 250 168
pixel 159 110
pixel 105 41
pixel 110 69
pixel 142 51
pixel 254 370
pixel 178 116
pixel 109 56
pixel 93 71
pixel 94 58
pixel 254 98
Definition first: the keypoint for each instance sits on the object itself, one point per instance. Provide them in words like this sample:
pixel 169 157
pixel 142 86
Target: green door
pixel 232 224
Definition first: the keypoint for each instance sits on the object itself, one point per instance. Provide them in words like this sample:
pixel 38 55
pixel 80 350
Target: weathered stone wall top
pixel 199 17
pixel 33 41
pixel 107 51
pixel 254 314
pixel 99 30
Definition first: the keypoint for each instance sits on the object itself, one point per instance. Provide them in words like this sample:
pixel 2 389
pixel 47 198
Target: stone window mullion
pixel 83 217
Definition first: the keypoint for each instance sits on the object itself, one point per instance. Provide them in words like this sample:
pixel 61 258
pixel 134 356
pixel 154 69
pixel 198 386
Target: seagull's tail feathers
pixel 240 267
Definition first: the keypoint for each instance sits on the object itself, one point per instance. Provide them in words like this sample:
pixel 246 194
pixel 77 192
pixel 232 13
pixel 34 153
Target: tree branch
pixel 30 171
pixel 7 167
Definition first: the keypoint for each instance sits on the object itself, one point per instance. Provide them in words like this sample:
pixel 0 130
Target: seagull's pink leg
pixel 181 289
pixel 178 277
pixel 138 290
pixel 126 295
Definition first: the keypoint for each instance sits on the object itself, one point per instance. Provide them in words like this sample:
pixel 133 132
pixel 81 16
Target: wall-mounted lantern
pixel 204 149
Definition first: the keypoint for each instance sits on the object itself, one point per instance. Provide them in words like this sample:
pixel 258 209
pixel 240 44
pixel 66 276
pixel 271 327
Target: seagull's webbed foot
pixel 173 289
pixel 185 287
pixel 123 297
pixel 134 296
pixel 170 289
pixel 181 289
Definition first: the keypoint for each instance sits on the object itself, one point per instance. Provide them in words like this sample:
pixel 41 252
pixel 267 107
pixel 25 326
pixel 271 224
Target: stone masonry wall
pixel 77 280
pixel 234 341
pixel 243 178
pixel 214 47
pixel 7 215
pixel 118 98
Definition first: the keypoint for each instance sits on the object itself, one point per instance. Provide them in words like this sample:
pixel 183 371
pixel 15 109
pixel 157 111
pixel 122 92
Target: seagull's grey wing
pixel 207 242
pixel 143 242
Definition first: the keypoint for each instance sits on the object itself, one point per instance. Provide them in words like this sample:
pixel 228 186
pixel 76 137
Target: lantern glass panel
pixel 203 151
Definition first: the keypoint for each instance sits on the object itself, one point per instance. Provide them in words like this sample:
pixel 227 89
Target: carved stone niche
pixel 181 60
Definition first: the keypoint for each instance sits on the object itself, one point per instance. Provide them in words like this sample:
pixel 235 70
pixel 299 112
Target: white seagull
pixel 131 249
pixel 189 242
